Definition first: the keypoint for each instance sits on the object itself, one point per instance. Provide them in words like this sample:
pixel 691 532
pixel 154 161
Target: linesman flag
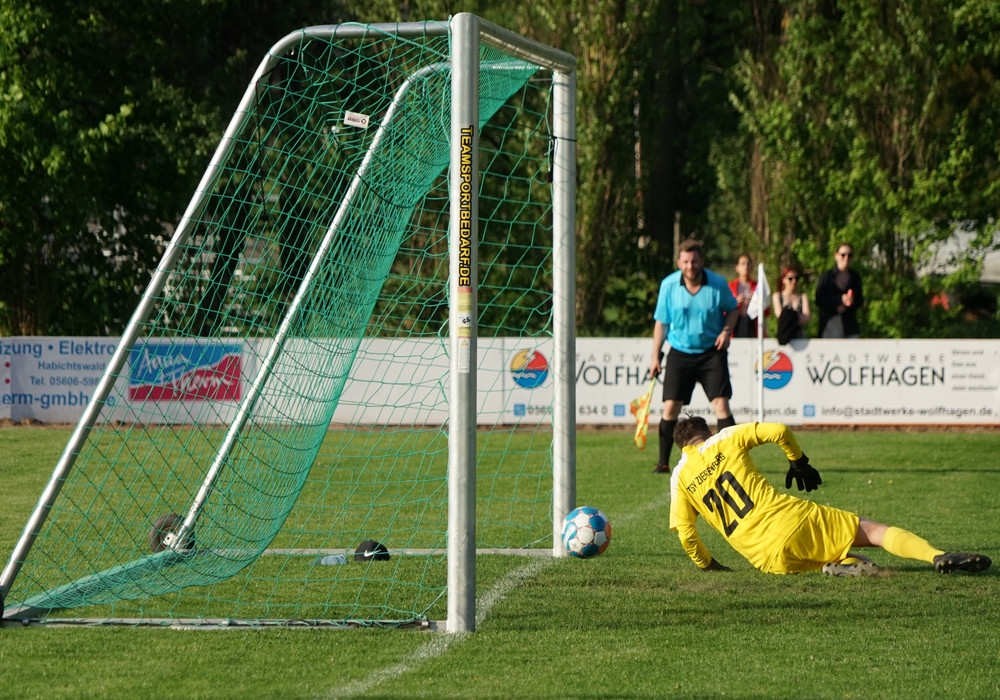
pixel 760 300
pixel 640 409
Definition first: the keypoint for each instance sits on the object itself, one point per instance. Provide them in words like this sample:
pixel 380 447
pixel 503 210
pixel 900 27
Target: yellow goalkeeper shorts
pixel 827 534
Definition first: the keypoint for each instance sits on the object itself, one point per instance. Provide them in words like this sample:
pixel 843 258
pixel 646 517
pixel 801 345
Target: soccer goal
pixel 361 329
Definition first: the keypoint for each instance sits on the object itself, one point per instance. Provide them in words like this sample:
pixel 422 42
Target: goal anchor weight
pixel 164 534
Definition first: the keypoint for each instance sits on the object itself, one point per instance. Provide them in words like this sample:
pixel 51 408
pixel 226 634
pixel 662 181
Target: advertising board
pixel 818 382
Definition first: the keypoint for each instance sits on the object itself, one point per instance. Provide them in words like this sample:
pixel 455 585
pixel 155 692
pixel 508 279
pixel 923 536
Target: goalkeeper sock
pixel 725 423
pixel 904 543
pixel 666 441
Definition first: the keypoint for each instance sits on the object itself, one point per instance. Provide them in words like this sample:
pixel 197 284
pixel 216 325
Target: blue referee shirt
pixel 694 321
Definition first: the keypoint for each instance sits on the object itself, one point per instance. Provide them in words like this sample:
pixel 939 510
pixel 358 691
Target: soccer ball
pixel 586 532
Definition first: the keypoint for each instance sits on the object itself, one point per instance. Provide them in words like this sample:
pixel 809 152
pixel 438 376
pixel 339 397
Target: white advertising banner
pixel 940 382
pixel 51 379
pixel 395 382
pixel 820 382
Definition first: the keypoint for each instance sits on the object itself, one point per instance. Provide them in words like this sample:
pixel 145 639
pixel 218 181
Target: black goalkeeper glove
pixel 716 566
pixel 805 476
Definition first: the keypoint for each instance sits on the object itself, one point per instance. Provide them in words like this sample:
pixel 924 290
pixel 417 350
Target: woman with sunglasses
pixel 793 302
pixel 839 296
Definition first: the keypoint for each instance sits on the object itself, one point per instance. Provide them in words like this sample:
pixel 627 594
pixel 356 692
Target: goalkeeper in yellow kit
pixel 778 533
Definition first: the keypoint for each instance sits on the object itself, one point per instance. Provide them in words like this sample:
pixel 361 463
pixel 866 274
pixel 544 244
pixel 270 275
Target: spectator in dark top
pixel 839 296
pixel 792 302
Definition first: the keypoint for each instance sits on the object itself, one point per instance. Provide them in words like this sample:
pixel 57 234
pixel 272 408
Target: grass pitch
pixel 639 621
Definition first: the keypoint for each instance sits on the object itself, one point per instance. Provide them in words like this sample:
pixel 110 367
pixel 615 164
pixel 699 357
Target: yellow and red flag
pixel 640 409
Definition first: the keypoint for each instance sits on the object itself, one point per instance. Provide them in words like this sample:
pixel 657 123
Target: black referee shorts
pixel 683 370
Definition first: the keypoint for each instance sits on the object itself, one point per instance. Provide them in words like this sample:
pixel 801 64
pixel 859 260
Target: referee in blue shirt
pixel 695 315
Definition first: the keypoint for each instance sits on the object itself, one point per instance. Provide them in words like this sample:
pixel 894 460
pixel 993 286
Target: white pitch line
pixel 440 643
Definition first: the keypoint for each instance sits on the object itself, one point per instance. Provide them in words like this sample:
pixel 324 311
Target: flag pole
pixel 763 300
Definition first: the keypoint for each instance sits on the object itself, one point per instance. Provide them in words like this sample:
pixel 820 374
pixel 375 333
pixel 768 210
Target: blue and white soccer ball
pixel 586 532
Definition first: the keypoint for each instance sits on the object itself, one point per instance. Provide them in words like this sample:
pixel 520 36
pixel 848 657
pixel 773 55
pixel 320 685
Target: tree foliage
pixel 877 126
pixel 109 112
pixel 652 85
pixel 778 128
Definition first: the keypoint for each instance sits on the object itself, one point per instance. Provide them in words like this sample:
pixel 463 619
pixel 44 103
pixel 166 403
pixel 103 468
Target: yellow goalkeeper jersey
pixel 718 481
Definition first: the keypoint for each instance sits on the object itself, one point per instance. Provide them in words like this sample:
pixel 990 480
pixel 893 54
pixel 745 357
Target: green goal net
pixel 332 349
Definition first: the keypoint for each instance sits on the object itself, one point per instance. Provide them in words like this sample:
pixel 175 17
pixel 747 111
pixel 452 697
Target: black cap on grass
pixel 370 550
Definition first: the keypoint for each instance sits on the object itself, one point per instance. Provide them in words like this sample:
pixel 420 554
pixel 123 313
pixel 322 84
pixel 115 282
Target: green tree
pixel 652 98
pixel 606 36
pixel 877 125
pixel 109 112
pixel 610 40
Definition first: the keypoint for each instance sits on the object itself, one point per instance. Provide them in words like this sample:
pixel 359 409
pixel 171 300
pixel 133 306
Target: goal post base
pixel 209 624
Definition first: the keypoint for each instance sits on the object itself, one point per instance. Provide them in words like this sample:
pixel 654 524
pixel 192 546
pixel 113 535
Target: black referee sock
pixel 666 441
pixel 725 423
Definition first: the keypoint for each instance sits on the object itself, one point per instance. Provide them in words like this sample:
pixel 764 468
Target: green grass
pixel 639 621
pixel 390 485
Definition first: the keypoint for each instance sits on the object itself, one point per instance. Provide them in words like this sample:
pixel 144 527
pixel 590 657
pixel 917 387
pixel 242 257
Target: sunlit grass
pixel 639 621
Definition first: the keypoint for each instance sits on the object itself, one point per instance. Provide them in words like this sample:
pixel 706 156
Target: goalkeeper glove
pixel 806 477
pixel 716 566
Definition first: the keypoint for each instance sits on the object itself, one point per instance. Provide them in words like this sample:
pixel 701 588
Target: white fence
pixel 818 382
